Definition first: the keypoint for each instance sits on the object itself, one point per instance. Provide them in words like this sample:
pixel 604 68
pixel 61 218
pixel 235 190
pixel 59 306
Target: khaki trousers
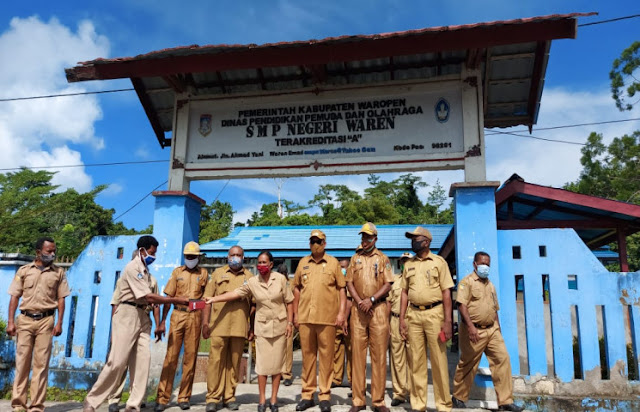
pixel 184 328
pixel 491 344
pixel 343 350
pixel 130 338
pixel 224 368
pixel 398 355
pixel 369 332
pixel 33 348
pixel 115 397
pixel 287 366
pixel 317 342
pixel 424 327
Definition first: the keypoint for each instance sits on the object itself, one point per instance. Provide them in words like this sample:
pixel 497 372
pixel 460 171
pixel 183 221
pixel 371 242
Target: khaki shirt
pixel 187 282
pixel 425 280
pixel 228 319
pixel 115 299
pixel 136 282
pixel 480 298
pixel 319 283
pixel 271 299
pixel 39 289
pixel 394 294
pixel 369 272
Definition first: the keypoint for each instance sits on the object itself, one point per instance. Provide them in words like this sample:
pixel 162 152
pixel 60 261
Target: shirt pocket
pixel 222 286
pixel 305 278
pixel 29 283
pixel 476 293
pixel 182 286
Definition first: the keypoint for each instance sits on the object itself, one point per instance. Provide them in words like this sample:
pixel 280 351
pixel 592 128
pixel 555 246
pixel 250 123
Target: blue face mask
pixel 344 271
pixel 235 262
pixel 149 259
pixel 482 271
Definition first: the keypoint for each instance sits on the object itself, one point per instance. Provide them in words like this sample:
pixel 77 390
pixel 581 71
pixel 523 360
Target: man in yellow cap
pixel 398 353
pixel 425 320
pixel 480 333
pixel 369 278
pixel 184 328
pixel 318 308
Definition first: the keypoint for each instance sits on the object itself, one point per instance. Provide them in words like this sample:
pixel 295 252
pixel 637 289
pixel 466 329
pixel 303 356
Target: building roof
pixel 293 241
pixel 522 205
pixel 511 56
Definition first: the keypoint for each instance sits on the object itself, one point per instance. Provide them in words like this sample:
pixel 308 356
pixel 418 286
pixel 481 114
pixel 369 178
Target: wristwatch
pixel 373 299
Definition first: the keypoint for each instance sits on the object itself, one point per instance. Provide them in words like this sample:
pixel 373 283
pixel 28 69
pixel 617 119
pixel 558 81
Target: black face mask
pixel 416 245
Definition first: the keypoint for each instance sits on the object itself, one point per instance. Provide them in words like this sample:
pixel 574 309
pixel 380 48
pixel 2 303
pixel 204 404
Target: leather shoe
pixel 211 407
pixel 381 408
pixel 273 407
pixel 160 407
pixel 511 407
pixel 232 406
pixel 114 407
pixel 305 404
pixel 357 408
pixel 457 403
pixel 287 382
pixel 396 402
pixel 86 407
pixel 262 407
pixel 325 406
pixel 184 405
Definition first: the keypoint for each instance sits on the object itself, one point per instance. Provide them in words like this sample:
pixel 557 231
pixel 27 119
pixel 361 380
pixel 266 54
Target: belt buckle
pixel 37 316
pixel 422 307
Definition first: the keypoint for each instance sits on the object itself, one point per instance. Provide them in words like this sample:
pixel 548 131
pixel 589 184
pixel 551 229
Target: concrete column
pixel 475 228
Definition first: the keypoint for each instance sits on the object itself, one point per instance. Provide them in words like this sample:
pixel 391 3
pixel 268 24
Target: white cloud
pixel 38 132
pixel 114 189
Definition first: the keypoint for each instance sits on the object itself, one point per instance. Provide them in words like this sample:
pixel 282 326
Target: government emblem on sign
pixel 442 110
pixel 205 125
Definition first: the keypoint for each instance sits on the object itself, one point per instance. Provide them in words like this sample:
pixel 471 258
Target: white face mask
pixel 191 263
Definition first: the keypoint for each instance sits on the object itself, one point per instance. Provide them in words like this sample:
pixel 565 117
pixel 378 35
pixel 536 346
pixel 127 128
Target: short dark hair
pixel 478 254
pixel 147 241
pixel 268 254
pixel 40 242
pixel 282 268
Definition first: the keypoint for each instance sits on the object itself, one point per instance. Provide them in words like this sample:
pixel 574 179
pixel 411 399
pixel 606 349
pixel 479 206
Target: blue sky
pixel 38 39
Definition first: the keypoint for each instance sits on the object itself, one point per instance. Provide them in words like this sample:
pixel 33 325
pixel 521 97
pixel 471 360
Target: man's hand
pixel 159 332
pixel 340 322
pixel 206 332
pixel 289 330
pixel 365 306
pixel 403 329
pixel 474 336
pixel 250 335
pixel 11 329
pixel 447 327
pixel 184 300
pixel 57 330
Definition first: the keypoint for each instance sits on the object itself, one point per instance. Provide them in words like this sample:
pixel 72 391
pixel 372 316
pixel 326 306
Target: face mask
pixel 191 263
pixel 235 262
pixel 47 259
pixel 482 271
pixel 317 249
pixel 264 269
pixel 416 245
pixel 344 272
pixel 370 249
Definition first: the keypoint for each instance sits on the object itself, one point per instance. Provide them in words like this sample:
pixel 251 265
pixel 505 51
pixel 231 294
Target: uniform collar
pixel 324 257
pixel 140 266
pixel 361 252
pixel 477 278
pixel 430 256
pixel 244 271
pixel 51 267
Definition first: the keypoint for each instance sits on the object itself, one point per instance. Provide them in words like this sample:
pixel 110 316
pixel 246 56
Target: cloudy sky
pixel 38 39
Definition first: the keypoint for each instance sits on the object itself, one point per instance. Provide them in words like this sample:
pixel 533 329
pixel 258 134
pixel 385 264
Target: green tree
pixel 623 76
pixel 216 221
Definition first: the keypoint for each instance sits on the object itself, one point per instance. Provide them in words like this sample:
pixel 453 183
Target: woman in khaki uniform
pixel 273 323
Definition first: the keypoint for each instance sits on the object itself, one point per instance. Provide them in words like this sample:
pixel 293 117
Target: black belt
pixel 482 326
pixel 180 308
pixel 425 307
pixel 395 315
pixel 137 305
pixel 38 315
pixel 384 299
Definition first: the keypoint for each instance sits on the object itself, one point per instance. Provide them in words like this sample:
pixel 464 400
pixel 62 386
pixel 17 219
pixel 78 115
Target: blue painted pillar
pixel 475 228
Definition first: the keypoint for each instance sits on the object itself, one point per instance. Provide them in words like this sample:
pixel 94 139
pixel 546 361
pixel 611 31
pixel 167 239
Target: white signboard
pixel 380 129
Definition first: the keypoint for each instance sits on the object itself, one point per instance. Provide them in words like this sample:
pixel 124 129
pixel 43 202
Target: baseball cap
pixel 191 248
pixel 419 231
pixel 369 228
pixel 317 233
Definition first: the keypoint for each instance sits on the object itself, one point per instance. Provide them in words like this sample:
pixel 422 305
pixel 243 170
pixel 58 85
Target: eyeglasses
pixel 315 241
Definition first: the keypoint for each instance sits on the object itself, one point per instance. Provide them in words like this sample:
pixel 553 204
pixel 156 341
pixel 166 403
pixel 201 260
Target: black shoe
pixel 287 382
pixel 232 406
pixel 396 402
pixel 143 405
pixel 350 394
pixel 305 404
pixel 159 407
pixel 211 407
pixel 357 408
pixel 511 407
pixel 325 406
pixel 273 407
pixel 184 405
pixel 114 407
pixel 457 403
pixel 262 407
pixel 380 409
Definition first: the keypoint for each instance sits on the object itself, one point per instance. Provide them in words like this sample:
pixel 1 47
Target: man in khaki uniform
pixel 42 287
pixel 398 352
pixel 131 331
pixel 227 324
pixel 184 328
pixel 369 280
pixel 318 307
pixel 343 341
pixel 480 333
pixel 425 313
